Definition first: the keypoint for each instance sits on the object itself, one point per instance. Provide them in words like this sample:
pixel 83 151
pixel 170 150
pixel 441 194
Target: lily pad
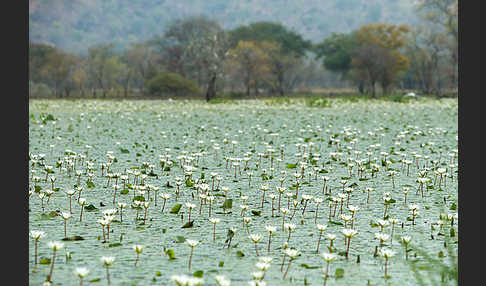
pixel 175 209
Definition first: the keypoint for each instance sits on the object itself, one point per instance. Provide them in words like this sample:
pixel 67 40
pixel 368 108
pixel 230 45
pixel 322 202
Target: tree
pixel 284 49
pixel 444 14
pixel 283 67
pixel 289 41
pixel 425 50
pixel 58 69
pixel 140 60
pixel 37 59
pixel 250 63
pixel 103 67
pixel 336 52
pixel 80 78
pixel 196 48
pixel 378 57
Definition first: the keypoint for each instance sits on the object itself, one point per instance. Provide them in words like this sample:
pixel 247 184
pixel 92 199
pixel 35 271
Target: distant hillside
pixel 74 25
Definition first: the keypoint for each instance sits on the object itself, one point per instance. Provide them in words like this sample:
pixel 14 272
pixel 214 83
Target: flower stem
pixel 108 275
pixel 286 271
pixel 190 258
pixel 52 266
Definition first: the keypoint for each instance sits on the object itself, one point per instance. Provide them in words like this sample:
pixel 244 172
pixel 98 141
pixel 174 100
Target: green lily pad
pixel 175 209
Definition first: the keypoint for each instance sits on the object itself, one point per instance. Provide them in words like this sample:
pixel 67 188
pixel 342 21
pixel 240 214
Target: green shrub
pixel 171 83
pixel 39 90
pixel 317 102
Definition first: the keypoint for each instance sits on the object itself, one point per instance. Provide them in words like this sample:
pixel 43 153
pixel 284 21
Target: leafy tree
pixel 425 50
pixel 103 67
pixel 37 59
pixel 196 48
pixel 289 41
pixel 80 78
pixel 140 60
pixel 336 52
pixel 283 67
pixel 445 15
pixel 249 61
pixel 58 69
pixel 378 57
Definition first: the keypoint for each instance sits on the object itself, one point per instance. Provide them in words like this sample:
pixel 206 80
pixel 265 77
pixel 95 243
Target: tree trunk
pixel 210 93
pixel 361 87
pixel 373 94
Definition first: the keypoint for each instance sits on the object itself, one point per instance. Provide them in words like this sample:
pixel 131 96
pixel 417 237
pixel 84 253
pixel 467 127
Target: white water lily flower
pixel 222 281
pixel 292 253
pixel 81 272
pixel 138 248
pixel 55 245
pixel 192 243
pixel 107 260
pixel 255 237
pixel 328 257
pixel 37 234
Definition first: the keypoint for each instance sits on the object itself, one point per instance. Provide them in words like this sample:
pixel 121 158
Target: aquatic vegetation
pixel 355 178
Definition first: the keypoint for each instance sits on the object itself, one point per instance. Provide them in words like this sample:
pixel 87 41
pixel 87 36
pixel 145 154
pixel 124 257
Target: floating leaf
pixel 90 207
pixel 90 184
pixel 228 203
pixel 240 253
pixel 73 238
pixel 256 212
pixel 221 264
pixel 339 273
pixel 291 166
pixel 124 192
pixel 171 254
pixel 45 261
pixel 180 239
pixel 188 224
pixel 452 232
pixel 309 267
pixel 453 207
pixel 115 244
pixel 95 280
pixel 175 209
pixel 125 151
pixel 189 183
pixel 336 222
pixel 158 273
pixel 198 274
pixel 139 198
pixel 53 214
